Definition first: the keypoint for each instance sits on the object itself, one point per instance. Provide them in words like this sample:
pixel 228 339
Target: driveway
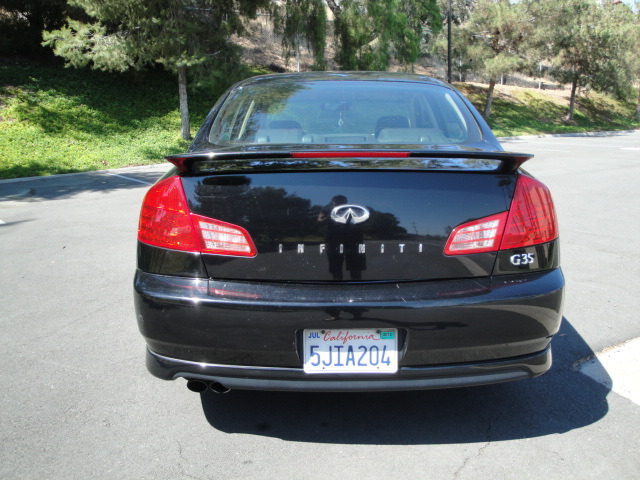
pixel 77 401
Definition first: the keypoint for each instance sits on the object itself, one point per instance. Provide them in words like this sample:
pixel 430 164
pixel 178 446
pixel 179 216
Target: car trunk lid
pixel 309 225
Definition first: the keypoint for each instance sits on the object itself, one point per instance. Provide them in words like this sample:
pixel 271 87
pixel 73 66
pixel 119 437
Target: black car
pixel 347 231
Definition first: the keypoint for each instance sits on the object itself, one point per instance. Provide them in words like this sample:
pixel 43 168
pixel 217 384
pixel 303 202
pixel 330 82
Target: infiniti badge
pixel 349 214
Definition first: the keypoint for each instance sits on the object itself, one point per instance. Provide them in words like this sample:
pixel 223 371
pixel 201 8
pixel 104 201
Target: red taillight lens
pixel 165 221
pixel 531 220
pixel 164 218
pixel 479 236
pixel 532 216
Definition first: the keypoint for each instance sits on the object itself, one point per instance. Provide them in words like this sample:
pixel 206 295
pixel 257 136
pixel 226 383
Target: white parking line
pixel 617 368
pixel 129 178
pixel 514 147
pixel 544 149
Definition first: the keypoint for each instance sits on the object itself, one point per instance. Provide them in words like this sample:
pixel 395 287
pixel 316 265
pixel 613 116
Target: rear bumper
pixel 407 378
pixel 249 334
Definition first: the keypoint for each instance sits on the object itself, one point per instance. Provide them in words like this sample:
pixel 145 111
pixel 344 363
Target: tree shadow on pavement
pixel 67 186
pixel 559 401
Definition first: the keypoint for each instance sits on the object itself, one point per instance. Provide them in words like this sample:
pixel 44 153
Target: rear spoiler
pixel 259 161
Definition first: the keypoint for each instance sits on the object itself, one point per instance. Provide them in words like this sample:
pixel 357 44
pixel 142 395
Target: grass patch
pixel 525 111
pixel 61 120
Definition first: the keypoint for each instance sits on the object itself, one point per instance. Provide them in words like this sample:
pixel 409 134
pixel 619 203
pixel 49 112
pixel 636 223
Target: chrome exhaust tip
pixel 218 387
pixel 197 386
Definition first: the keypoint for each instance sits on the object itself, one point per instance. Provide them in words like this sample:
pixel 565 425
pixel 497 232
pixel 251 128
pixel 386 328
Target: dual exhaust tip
pixel 200 386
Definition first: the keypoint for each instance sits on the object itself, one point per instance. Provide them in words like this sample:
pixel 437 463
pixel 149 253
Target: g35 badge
pixel 522 258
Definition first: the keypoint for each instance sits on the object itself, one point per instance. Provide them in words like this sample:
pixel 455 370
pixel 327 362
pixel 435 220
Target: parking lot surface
pixel 77 401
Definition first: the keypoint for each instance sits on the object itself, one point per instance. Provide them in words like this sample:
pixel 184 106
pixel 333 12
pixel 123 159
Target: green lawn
pixel 61 120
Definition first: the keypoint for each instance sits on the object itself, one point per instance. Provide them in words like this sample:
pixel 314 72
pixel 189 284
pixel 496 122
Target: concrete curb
pixel 577 134
pixel 139 168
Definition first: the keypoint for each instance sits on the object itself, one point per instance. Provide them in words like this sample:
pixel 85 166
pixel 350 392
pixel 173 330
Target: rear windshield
pixel 343 112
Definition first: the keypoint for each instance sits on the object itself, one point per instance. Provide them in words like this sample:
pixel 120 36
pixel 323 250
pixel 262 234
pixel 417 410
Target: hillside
pixel 529 111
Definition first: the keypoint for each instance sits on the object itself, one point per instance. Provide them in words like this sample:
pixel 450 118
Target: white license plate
pixel 360 350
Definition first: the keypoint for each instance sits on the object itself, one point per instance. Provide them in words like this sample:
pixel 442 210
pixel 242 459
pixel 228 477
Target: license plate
pixel 361 350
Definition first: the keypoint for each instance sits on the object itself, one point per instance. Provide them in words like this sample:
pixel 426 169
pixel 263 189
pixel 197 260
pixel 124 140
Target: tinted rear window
pixel 343 112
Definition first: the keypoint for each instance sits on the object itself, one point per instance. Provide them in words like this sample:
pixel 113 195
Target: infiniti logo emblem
pixel 349 214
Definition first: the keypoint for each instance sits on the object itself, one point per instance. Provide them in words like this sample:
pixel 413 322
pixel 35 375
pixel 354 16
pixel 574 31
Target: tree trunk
pixel 184 104
pixel 572 101
pixel 334 7
pixel 487 106
pixel 449 59
pixel 637 113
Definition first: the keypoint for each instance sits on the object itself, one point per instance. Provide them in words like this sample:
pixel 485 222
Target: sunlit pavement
pixel 617 368
pixel 77 401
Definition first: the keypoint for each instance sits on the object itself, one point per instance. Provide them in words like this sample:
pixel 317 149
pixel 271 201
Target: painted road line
pixel 129 178
pixel 138 168
pixel 617 368
pixel 544 149
pixel 630 148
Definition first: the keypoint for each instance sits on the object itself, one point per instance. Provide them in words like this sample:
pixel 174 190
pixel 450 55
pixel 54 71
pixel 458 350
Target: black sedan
pixel 347 232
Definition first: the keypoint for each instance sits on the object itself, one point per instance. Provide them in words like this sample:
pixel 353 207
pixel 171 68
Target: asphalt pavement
pixel 77 401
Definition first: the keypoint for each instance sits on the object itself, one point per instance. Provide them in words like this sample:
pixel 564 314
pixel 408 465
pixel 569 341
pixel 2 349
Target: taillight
pixel 164 218
pixel 223 238
pixel 479 236
pixel 165 221
pixel 531 220
pixel 532 216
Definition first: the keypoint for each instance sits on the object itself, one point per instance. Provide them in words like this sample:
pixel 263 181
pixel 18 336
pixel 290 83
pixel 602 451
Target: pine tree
pixel 587 44
pixel 178 34
pixel 496 33
pixel 372 32
pixel 303 21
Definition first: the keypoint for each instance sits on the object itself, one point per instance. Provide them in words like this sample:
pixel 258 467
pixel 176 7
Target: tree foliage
pixel 22 23
pixel 303 21
pixel 371 32
pixel 139 33
pixel 368 33
pixel 461 10
pixel 587 44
